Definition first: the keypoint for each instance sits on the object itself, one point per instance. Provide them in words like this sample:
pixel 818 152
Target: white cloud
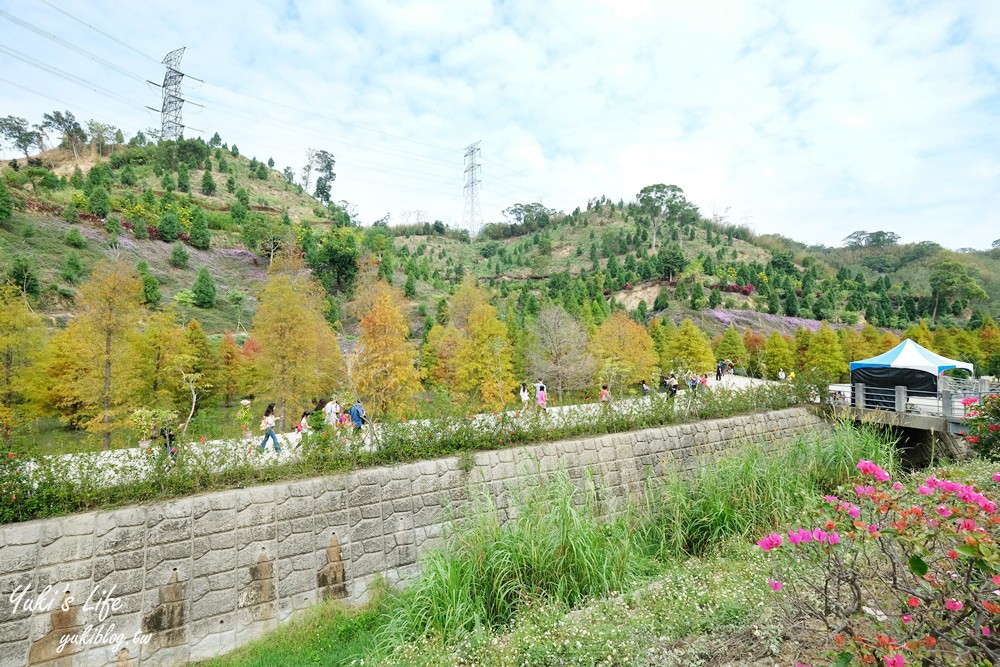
pixel 815 120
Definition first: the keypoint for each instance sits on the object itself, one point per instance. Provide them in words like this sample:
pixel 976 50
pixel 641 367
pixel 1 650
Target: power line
pixel 72 47
pixel 66 75
pixel 68 105
pixel 99 31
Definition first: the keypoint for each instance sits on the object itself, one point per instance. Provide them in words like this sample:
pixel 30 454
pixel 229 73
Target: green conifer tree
pixel 204 289
pixel 201 238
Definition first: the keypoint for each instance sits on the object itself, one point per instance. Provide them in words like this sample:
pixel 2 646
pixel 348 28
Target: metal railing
pixel 953 401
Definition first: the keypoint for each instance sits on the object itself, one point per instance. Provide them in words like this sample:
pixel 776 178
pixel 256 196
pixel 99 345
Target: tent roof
pixel 911 355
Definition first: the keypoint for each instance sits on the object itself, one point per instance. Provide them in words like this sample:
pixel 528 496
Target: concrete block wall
pixel 182 580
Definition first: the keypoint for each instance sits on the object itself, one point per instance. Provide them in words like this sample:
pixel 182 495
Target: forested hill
pixel 202 221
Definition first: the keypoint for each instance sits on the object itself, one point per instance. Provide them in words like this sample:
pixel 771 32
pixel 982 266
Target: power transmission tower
pixel 170 113
pixel 472 219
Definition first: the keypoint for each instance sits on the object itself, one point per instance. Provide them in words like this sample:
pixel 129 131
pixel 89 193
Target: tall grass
pixel 747 493
pixel 558 548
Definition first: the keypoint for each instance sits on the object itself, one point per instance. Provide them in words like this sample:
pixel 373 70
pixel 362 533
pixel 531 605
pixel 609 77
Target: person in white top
pixel 267 425
pixel 331 412
pixel 525 396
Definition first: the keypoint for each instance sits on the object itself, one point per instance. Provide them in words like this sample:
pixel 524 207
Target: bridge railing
pixel 952 401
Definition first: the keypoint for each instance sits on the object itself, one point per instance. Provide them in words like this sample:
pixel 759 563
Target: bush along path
pixel 899 571
pixel 670 579
pixel 35 487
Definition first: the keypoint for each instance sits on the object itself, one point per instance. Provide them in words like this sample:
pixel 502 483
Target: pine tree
pixel 690 350
pixel 208 186
pixel 410 290
pixel 201 238
pixel 72 269
pixel 299 357
pixel 204 289
pixel 6 204
pixel 183 178
pixel 383 364
pixel 483 358
pixel 98 202
pixel 697 296
pixel 179 256
pixel 777 356
pixel 714 298
pixel 169 227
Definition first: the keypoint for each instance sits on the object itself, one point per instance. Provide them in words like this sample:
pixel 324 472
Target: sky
pixel 807 119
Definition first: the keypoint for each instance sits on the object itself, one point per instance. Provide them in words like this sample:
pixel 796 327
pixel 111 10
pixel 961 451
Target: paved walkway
pixel 115 466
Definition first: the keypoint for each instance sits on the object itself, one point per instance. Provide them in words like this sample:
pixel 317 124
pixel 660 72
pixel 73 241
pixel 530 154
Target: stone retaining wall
pixel 188 579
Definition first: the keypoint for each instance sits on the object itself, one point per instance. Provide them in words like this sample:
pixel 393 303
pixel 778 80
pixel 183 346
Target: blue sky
pixel 810 120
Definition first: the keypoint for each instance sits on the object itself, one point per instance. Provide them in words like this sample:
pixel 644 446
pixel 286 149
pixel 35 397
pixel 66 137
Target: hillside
pixel 601 257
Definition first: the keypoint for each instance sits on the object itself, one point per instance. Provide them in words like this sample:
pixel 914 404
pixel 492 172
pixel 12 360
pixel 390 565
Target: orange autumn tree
pixel 437 357
pixel 625 350
pixel 383 365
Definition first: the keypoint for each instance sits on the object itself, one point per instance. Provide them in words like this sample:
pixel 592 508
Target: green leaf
pixel 917 565
pixel 843 660
pixel 967 550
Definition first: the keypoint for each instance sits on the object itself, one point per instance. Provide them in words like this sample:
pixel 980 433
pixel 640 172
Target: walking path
pixel 110 467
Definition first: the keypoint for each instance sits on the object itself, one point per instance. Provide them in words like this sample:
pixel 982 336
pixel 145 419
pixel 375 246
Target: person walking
pixel 718 372
pixel 358 416
pixel 781 373
pixel 541 398
pixel 672 384
pixel 645 388
pixel 267 425
pixel 605 396
pixel 331 412
pixel 525 396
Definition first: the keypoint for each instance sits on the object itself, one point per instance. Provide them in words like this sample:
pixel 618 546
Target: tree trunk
pixel 106 398
pixel 8 394
pixel 937 299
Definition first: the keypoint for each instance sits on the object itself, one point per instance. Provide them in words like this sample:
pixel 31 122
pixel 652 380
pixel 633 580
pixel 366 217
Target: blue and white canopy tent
pixel 909 365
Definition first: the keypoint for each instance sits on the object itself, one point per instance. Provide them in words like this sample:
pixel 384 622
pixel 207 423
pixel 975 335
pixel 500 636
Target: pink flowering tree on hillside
pixel 899 573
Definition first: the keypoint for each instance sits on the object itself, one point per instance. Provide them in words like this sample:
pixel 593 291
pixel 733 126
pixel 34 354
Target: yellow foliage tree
pixel 824 355
pixel 21 339
pixel 690 350
pixel 624 350
pixel 230 368
pixel 383 364
pixel 888 341
pixel 483 358
pixel 438 355
pixel 778 356
pixel 299 360
pixel 158 350
pixel 88 364
pixel 468 297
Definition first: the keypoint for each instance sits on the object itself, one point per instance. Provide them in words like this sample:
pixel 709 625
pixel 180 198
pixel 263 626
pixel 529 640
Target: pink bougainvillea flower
pixel 994 428
pixel 943 511
pixel 897 486
pixel 774 584
pixel 953 605
pixel 895 660
pixel 833 499
pixel 985 630
pixel 833 538
pixel 971 400
pixel 913 602
pixel 924 490
pixel 952 554
pixel 974 439
pixel 996 477
pixel 869 468
pixel 864 490
pixel 967 524
pixel 794 538
pixel 996 579
pixel 819 535
pixel 906 618
pixel 772 541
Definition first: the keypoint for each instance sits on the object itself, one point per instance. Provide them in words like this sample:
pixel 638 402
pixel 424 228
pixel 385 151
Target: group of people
pixel 723 368
pixel 541 395
pixel 333 415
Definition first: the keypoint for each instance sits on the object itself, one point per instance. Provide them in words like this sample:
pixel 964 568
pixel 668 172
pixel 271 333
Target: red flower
pixel 953 555
pixel 913 602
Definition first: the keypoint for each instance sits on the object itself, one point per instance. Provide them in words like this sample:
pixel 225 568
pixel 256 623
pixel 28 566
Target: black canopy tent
pixel 908 365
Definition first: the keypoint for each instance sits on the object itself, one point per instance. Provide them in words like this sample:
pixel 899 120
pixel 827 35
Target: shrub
pixel 208 184
pixel 179 256
pixel 72 269
pixel 984 425
pixel 128 177
pixel 150 289
pixel 113 226
pixel 899 572
pixel 75 239
pixel 70 213
pixel 23 273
